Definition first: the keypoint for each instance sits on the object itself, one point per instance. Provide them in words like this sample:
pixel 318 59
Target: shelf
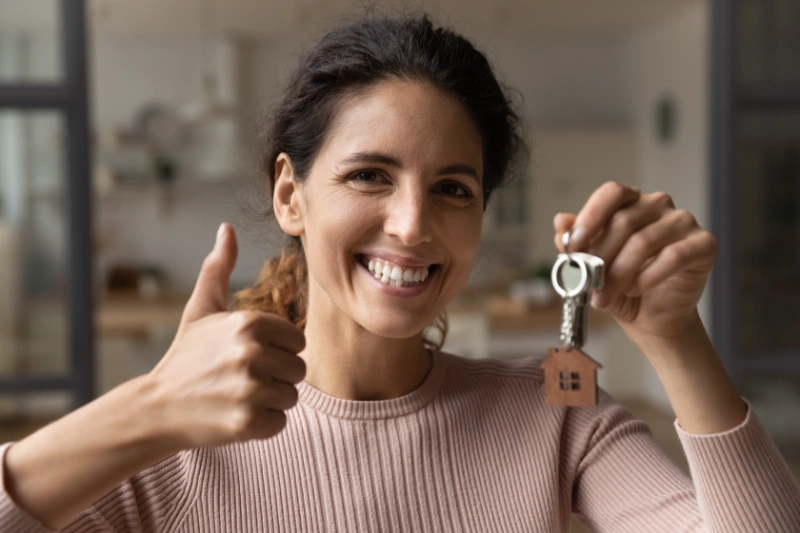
pixel 182 187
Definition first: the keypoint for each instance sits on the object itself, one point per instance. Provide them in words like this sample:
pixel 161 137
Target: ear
pixel 287 198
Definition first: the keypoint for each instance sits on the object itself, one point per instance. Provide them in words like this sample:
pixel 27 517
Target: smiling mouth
pixel 395 275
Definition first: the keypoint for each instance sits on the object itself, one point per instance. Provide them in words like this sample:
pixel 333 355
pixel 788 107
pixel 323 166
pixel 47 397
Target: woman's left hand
pixel 657 258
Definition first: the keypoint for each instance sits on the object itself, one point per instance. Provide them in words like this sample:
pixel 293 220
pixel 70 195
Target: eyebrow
pixel 383 159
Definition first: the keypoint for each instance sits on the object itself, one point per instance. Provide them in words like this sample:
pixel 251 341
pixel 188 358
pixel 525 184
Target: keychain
pixel 570 376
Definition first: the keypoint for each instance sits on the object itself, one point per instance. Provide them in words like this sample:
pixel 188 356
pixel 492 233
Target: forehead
pixel 408 120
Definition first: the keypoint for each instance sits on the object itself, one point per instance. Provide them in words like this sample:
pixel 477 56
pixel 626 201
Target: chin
pixel 392 328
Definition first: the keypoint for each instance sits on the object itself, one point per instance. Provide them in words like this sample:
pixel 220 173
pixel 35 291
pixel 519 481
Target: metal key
pixel 575 312
pixel 570 375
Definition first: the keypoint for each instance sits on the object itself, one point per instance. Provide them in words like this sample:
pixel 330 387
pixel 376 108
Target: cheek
pixel 334 229
pixel 463 238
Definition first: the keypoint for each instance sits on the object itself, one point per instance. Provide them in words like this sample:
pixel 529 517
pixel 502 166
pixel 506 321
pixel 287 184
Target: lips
pixel 394 274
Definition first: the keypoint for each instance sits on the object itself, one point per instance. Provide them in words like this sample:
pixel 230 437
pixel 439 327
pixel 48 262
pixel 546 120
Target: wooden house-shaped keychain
pixel 570 376
pixel 574 381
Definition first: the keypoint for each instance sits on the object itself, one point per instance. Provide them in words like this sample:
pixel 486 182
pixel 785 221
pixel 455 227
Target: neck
pixel 346 361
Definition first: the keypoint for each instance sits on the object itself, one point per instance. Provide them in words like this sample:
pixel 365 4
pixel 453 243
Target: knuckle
pixel 247 392
pixel 686 218
pixel 709 241
pixel 623 222
pixel 641 243
pixel 243 356
pixel 614 188
pixel 663 199
pixel 675 255
pixel 245 320
pixel 240 422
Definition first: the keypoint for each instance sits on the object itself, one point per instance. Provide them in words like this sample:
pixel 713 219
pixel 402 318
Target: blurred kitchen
pixel 103 227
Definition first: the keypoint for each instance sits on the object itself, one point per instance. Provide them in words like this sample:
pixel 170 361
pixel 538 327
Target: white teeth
pixel 395 275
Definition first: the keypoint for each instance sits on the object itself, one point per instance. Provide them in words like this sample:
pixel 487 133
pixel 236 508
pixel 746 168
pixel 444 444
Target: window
pixel 46 294
pixel 511 204
pixel 756 187
pixel 570 380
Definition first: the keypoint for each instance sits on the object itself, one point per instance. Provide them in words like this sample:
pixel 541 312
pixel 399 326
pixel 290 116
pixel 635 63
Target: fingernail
pixel 220 233
pixel 576 238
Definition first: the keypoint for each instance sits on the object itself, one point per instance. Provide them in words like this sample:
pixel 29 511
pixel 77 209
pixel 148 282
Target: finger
pixel 697 251
pixel 210 293
pixel 598 210
pixel 625 223
pixel 266 424
pixel 642 247
pixel 277 396
pixel 562 223
pixel 279 365
pixel 274 330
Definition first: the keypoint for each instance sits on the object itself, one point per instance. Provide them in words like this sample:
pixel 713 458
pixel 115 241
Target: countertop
pixel 128 314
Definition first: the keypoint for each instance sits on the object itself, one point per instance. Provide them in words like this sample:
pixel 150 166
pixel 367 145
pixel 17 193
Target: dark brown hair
pixel 353 58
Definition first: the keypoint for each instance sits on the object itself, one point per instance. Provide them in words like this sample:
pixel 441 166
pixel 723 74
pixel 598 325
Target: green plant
pixel 538 271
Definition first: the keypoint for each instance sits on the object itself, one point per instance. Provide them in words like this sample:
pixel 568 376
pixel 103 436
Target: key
pixel 570 375
pixel 575 313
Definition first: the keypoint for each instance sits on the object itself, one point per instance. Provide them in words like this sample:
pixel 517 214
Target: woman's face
pixel 393 207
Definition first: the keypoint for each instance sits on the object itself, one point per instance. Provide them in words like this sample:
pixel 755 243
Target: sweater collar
pixel 415 400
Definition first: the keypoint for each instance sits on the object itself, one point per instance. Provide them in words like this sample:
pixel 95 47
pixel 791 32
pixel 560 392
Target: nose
pixel 407 216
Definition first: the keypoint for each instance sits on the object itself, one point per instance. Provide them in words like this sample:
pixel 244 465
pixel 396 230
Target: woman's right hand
pixel 228 376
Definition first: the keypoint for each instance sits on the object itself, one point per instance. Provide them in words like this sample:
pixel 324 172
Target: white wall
pixel 672 59
pixel 563 84
pixel 576 83
pixel 128 72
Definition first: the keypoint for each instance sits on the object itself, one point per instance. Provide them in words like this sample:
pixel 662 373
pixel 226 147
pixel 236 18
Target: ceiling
pixel 266 18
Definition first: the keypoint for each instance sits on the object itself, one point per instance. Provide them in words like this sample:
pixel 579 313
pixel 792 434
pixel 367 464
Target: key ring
pixel 565 244
pixel 583 284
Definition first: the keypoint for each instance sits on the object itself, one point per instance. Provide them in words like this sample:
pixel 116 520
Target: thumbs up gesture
pixel 228 376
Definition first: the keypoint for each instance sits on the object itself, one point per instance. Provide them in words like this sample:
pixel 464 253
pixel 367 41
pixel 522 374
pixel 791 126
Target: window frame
pixel 70 96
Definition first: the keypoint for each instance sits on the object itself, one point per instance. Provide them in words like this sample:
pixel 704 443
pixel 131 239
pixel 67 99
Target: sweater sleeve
pixel 154 500
pixel 624 482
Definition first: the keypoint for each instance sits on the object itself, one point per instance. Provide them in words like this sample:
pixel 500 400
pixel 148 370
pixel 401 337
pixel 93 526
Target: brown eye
pixel 366 176
pixel 454 189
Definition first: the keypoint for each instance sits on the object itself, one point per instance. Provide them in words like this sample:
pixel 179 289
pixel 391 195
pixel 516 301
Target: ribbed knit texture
pixel 474 449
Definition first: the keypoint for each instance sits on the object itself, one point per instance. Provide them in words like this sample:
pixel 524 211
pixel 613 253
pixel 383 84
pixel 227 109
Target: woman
pixel 319 406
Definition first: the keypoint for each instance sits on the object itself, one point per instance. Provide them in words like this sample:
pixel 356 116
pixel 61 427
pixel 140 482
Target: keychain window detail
pixel 570 381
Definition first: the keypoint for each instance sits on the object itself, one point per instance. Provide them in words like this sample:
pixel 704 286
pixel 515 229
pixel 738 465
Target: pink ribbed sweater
pixel 473 449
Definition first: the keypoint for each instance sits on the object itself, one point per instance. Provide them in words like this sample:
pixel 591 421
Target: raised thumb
pixel 210 293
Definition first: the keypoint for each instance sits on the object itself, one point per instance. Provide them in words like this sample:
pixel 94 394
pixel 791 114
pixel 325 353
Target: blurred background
pixel 129 131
